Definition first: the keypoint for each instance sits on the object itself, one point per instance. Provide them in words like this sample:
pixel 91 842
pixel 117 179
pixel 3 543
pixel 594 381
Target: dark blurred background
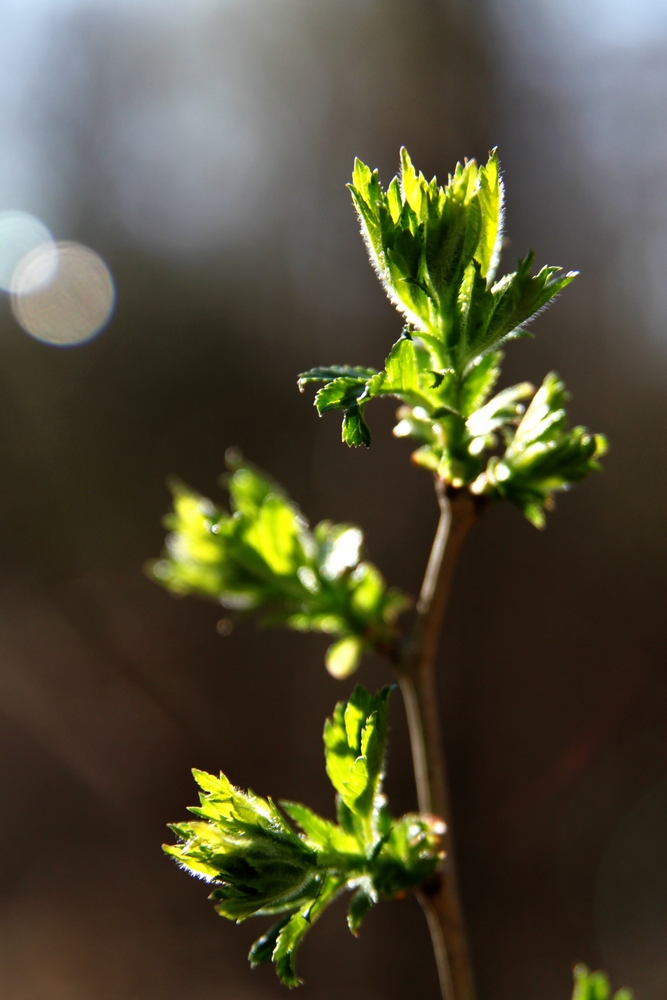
pixel 202 150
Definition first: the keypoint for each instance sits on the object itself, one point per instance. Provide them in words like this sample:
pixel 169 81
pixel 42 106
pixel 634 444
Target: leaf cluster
pixel 542 455
pixel 263 557
pixel 436 250
pixel 261 865
pixel 595 986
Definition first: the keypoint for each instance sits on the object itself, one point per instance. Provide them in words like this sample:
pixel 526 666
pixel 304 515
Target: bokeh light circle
pixel 20 234
pixel 35 270
pixel 74 306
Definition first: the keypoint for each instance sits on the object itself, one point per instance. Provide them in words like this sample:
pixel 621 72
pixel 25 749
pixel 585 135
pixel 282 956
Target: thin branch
pixel 417 679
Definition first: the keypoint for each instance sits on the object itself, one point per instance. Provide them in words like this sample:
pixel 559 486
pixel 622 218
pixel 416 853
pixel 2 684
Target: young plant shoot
pixel 436 250
pixel 262 867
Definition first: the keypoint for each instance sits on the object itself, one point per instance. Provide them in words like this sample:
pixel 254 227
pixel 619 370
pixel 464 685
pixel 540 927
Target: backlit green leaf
pixel 263 557
pixel 595 986
pixel 260 866
pixel 333 372
pixel 341 394
pixel 543 456
pixel 264 947
pixel 491 203
pixel 436 250
pixel 363 900
pixel 500 411
pixel 354 741
pixel 296 928
pixel 355 429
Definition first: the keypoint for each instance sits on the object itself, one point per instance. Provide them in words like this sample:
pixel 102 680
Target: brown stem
pixel 416 672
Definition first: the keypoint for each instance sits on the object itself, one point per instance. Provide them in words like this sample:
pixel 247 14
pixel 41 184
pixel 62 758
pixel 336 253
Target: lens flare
pixel 74 305
pixel 35 270
pixel 20 235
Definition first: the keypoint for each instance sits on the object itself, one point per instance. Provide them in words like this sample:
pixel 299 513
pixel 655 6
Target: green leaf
pixel 354 741
pixel 491 197
pixel 263 557
pixel 271 539
pixel 368 200
pixel 408 853
pixel 420 237
pixel 264 947
pixel 595 986
pixel 260 866
pixel 504 408
pixel 413 188
pixel 246 846
pixel 452 235
pixel 479 383
pixel 318 832
pixel 355 428
pixel 332 372
pixel 364 898
pixel 361 176
pixel 436 250
pixel 332 841
pixel 341 394
pixel 408 375
pixel 297 927
pixel 493 316
pixel 249 488
pixel 543 456
pixel 402 372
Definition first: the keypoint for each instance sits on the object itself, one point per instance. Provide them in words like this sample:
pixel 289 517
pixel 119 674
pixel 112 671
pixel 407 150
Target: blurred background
pixel 201 151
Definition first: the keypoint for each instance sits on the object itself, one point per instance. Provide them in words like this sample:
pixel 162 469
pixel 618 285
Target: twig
pixel 416 673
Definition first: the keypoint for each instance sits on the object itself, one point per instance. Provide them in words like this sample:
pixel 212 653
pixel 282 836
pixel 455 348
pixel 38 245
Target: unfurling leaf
pixel 363 900
pixel 354 746
pixel 436 250
pixel 260 866
pixel 263 557
pixel 542 456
